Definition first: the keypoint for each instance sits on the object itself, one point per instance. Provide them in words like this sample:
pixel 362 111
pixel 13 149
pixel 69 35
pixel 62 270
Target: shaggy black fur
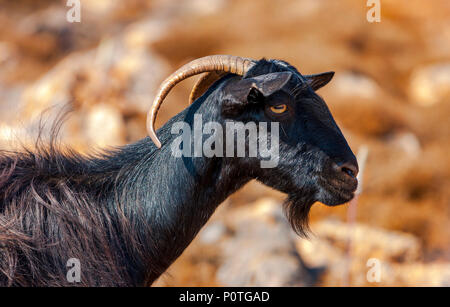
pixel 129 213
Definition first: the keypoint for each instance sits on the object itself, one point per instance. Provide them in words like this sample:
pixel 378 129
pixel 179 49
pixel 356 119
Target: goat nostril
pixel 350 169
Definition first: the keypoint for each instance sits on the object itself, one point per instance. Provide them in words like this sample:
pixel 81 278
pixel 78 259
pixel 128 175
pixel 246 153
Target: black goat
pixel 129 213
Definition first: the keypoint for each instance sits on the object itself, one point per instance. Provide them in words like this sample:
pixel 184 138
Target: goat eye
pixel 278 109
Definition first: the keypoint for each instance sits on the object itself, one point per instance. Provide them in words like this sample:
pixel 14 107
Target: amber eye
pixel 278 109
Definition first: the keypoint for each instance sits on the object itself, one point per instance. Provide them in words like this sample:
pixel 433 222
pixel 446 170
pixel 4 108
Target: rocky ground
pixel 391 93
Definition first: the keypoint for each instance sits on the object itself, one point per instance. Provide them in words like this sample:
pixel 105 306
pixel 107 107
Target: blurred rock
pixel 304 8
pixel 124 78
pixel 398 254
pixel 430 84
pixel 212 233
pixel 6 52
pixel 46 34
pixel 422 274
pixel 369 242
pixel 318 253
pixel 196 7
pixel 51 18
pixel 143 33
pixel 51 90
pixel 204 7
pixel 107 67
pixel 407 142
pixel 104 126
pixel 8 65
pixel 355 84
pixel 101 7
pixel 9 135
pixel 438 42
pixel 262 251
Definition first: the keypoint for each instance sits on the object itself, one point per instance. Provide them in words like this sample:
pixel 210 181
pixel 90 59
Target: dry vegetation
pixel 391 93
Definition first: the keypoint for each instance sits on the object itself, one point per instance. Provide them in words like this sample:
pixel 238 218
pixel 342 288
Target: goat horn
pixel 204 83
pixel 222 63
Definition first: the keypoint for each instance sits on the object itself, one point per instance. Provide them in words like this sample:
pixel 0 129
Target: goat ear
pixel 256 89
pixel 240 93
pixel 317 81
pixel 270 83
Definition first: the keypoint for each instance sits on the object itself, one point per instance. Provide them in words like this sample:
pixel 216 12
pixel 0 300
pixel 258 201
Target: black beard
pixel 296 209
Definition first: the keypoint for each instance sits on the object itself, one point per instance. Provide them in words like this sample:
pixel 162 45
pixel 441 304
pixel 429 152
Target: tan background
pixel 391 93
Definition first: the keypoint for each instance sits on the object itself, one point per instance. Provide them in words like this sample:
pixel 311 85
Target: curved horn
pixel 204 83
pixel 225 63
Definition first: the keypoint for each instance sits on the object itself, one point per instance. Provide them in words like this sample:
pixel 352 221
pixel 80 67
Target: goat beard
pixel 296 209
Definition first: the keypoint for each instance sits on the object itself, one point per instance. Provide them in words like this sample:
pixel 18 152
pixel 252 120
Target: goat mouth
pixel 340 191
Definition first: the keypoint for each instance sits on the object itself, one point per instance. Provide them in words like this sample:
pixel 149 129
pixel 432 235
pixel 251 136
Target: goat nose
pixel 349 168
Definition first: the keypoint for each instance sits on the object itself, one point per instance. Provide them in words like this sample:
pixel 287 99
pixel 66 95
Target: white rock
pixel 423 274
pixel 369 242
pixel 104 126
pixel 430 84
pixel 212 233
pixel 348 84
pixel 397 253
pixel 408 142
pixel 318 253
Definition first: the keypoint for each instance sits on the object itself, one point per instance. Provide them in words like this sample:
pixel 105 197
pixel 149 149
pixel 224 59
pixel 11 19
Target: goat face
pixel 315 162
